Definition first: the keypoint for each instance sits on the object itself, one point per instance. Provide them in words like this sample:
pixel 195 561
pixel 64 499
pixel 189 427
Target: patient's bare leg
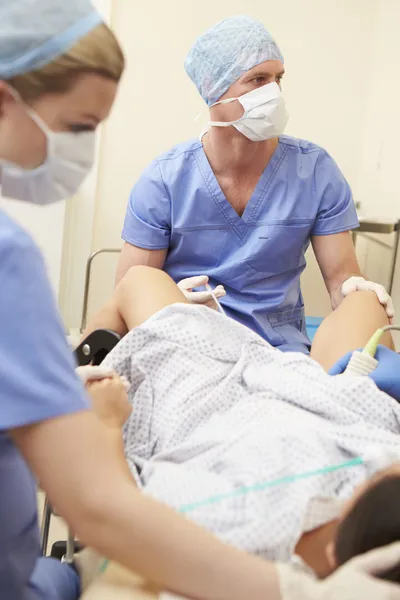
pixel 349 327
pixel 139 295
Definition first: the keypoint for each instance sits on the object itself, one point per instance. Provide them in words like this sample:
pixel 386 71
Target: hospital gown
pixel 178 205
pixel 216 409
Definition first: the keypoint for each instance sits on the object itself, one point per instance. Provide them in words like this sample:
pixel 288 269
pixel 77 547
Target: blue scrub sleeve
pixel 337 211
pixel 37 378
pixel 52 580
pixel 148 216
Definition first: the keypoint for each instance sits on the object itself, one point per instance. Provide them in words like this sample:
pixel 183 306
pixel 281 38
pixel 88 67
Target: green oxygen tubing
pixel 259 487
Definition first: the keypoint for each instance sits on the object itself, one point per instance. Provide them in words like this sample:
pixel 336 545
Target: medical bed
pixel 92 350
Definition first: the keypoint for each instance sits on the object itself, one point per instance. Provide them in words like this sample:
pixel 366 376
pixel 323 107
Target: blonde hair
pixel 98 52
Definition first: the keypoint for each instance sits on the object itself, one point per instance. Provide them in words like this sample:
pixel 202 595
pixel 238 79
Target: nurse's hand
pixel 110 400
pixel 191 283
pixel 93 373
pixel 360 284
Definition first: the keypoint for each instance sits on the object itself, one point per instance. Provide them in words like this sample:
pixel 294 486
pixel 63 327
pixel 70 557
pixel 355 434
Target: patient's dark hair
pixel 374 521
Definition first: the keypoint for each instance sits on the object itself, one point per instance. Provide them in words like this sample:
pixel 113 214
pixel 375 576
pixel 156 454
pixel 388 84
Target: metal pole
pixel 87 280
pixel 45 526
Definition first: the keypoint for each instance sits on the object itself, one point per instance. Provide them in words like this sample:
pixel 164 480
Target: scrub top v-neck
pixel 178 205
pixel 239 224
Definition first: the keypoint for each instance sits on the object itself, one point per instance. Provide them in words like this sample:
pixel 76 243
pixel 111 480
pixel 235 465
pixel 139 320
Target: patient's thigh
pixel 349 327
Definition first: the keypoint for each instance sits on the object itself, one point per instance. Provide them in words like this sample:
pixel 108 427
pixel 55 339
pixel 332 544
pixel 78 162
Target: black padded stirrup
pixel 96 346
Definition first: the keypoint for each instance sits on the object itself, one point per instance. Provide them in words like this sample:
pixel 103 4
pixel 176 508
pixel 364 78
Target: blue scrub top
pixel 37 382
pixel 259 257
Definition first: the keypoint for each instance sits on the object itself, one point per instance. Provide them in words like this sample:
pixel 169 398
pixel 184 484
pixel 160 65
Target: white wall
pixel 378 178
pixel 379 185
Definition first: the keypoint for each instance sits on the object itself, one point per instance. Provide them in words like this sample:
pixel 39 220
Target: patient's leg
pixel 349 327
pixel 139 295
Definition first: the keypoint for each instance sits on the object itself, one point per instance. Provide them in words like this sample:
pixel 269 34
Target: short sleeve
pixel 337 211
pixel 147 221
pixel 37 378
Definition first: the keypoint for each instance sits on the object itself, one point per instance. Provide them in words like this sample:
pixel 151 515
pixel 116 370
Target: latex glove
pixel 190 283
pixel 90 373
pixel 360 284
pixel 386 375
pixel 354 581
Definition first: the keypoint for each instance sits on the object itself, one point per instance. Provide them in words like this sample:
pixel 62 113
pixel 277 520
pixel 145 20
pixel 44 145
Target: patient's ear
pixel 330 555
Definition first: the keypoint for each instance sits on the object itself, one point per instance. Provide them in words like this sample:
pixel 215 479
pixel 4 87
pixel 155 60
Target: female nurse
pixel 242 204
pixel 59 71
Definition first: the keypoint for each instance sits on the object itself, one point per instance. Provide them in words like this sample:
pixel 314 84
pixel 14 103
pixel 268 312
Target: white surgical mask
pixel 70 157
pixel 265 115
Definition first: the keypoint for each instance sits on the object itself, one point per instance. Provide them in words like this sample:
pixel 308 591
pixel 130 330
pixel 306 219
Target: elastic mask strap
pixel 225 123
pixel 33 114
pixel 226 101
pixel 222 123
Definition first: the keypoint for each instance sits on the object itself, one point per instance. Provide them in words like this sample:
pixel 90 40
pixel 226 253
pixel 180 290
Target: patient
pixel 217 409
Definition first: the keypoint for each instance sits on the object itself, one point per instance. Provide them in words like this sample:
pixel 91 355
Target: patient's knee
pixel 141 274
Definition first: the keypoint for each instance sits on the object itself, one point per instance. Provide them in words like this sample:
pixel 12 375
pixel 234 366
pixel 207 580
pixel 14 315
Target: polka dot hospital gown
pixel 215 409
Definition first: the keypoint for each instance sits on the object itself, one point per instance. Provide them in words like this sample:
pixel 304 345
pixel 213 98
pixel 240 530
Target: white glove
pixel 354 581
pixel 97 373
pixel 360 284
pixel 187 285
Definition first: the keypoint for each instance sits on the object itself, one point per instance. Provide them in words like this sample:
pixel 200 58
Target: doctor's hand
pixel 386 375
pixel 360 284
pixel 110 400
pixel 190 283
pixel 353 581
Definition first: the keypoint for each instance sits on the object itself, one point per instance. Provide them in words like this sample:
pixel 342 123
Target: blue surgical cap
pixel 35 32
pixel 227 51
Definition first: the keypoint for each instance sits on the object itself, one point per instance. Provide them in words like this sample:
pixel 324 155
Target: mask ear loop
pixel 225 123
pixel 32 113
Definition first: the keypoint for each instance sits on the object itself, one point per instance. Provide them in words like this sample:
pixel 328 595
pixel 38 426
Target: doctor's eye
pixel 260 80
pixel 279 79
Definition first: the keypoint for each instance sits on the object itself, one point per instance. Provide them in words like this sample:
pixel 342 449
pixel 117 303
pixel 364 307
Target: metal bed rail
pixel 88 275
